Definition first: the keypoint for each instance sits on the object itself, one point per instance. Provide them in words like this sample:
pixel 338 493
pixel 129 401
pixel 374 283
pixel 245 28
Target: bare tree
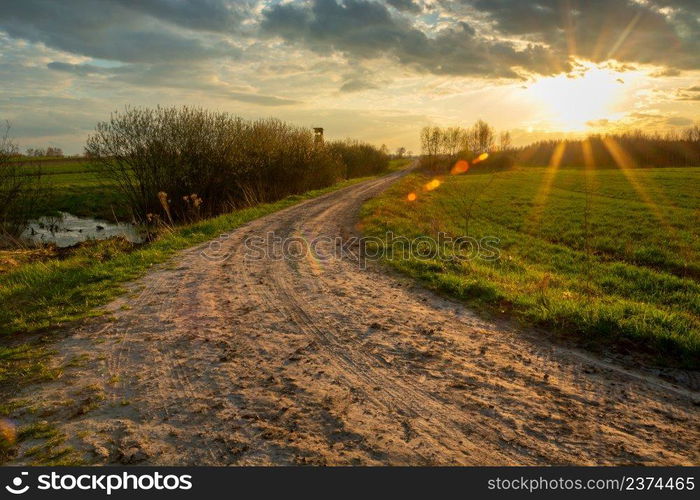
pixel 505 141
pixel 483 137
pixel 431 140
pixel 451 141
pixel 54 152
pixel 20 189
pixel 692 134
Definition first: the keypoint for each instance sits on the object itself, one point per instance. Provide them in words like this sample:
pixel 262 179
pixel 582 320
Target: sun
pixel 570 102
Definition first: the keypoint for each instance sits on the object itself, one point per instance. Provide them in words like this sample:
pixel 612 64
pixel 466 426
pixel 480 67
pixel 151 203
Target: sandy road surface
pixel 315 361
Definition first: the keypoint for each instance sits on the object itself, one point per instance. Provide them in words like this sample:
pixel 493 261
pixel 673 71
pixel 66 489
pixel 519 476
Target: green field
pixel 76 186
pixel 608 257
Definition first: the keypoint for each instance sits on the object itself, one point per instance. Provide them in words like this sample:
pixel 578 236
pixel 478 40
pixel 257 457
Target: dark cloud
pixel 405 5
pixel 366 29
pixel 124 30
pixel 205 15
pixel 77 69
pixel 356 85
pixel 626 30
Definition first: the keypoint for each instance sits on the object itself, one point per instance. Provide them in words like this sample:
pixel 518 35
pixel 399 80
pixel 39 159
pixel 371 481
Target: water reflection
pixel 67 230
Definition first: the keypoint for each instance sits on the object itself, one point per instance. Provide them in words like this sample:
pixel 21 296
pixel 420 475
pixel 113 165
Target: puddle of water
pixel 68 230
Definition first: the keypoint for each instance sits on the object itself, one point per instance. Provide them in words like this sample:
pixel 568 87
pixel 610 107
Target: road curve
pixel 238 360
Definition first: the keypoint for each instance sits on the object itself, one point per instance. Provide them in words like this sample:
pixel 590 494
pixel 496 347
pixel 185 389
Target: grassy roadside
pixel 629 281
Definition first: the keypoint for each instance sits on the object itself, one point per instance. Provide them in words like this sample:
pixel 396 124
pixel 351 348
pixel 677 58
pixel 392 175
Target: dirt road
pixel 233 360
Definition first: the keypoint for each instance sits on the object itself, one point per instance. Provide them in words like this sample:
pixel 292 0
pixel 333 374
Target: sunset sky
pixel 373 70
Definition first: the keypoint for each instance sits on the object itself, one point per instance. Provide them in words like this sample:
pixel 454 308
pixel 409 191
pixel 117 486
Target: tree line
pixel 441 147
pixel 636 148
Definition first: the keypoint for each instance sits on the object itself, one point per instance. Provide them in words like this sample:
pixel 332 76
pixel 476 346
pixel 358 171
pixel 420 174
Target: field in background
pixel 608 256
pixel 76 186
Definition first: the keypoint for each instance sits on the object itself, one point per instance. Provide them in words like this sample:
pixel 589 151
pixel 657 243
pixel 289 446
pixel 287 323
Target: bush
pixel 161 157
pixel 359 158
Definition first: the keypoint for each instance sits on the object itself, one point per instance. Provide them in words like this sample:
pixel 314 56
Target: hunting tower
pixel 318 135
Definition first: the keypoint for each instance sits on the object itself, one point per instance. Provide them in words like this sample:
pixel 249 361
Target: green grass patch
pixel 77 187
pixel 399 164
pixel 608 257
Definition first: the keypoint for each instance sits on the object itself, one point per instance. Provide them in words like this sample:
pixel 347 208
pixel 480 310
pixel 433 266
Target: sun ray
pixel 627 166
pixel 588 177
pixel 545 188
pixel 569 32
pixel 623 36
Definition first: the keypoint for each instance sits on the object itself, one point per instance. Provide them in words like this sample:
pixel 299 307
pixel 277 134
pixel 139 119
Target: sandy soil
pixel 315 361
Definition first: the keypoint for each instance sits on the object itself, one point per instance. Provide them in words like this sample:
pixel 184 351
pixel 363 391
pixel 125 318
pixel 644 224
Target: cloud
pixel 406 5
pixel 688 94
pixel 356 85
pixel 124 30
pixel 204 15
pixel 666 72
pixel 679 121
pixel 365 29
pixel 601 123
pixel 77 69
pixel 264 100
pixel 194 77
pixel 481 38
pixel 661 32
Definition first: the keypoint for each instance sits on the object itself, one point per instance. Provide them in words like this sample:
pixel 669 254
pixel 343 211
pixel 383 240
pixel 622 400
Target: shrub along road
pixel 316 361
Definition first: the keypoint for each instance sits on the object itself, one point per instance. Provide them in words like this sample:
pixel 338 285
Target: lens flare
pixel 411 197
pixel 434 184
pixel 8 433
pixel 481 157
pixel 460 167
